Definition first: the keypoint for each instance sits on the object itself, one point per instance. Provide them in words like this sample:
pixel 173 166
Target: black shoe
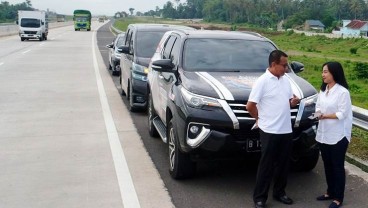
pixel 284 199
pixel 324 198
pixel 334 205
pixel 260 204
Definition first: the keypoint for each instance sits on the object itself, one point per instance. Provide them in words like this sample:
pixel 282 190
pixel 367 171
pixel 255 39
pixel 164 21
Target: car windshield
pixel 120 41
pixel 148 42
pixel 81 19
pixel 26 22
pixel 226 55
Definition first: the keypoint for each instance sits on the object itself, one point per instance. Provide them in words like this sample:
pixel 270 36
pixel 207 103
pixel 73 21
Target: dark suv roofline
pixel 247 35
pixel 143 26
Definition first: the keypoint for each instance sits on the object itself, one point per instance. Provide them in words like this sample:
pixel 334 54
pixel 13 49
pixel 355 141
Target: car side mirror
pixel 297 66
pixel 110 45
pixel 163 65
pixel 124 49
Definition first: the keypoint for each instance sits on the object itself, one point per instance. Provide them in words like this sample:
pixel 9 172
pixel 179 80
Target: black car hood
pixel 142 61
pixel 236 85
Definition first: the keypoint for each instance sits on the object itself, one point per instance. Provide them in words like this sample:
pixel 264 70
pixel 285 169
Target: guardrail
pixel 360 118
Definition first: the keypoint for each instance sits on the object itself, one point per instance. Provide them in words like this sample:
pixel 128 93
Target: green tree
pixel 131 10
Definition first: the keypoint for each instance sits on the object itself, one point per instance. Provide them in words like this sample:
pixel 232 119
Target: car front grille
pixel 30 32
pixel 81 24
pixel 241 113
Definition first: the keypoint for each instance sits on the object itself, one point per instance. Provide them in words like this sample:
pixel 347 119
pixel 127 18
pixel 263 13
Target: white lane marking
pixel 41 44
pixel 1 63
pixel 127 190
pixel 24 52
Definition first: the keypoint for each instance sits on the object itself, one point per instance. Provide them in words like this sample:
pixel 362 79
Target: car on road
pixel 139 46
pixel 198 86
pixel 115 53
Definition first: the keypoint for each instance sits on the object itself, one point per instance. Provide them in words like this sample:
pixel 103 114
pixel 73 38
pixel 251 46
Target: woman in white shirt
pixel 334 129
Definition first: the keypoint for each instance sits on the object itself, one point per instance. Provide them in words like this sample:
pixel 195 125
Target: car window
pixel 120 41
pixel 175 52
pixel 128 37
pixel 168 46
pixel 147 42
pixel 226 55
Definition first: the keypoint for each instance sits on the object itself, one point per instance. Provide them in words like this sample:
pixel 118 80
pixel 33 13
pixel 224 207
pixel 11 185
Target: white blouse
pixel 336 101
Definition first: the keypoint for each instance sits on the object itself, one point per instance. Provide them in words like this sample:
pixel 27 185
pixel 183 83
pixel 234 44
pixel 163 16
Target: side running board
pixel 161 128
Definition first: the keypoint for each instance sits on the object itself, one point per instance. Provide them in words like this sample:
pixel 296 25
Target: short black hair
pixel 335 68
pixel 275 56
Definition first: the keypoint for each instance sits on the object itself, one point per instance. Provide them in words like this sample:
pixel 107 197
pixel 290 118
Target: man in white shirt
pixel 269 103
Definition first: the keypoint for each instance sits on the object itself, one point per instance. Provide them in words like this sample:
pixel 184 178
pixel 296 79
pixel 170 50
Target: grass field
pixel 312 52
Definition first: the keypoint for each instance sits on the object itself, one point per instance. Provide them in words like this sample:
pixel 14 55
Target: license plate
pixel 253 145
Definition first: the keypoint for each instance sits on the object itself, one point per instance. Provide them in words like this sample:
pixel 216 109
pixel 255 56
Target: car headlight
pixel 311 100
pixel 198 101
pixel 139 72
pixel 117 55
pixel 139 68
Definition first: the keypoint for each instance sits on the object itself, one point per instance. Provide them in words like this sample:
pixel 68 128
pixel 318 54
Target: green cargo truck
pixel 82 19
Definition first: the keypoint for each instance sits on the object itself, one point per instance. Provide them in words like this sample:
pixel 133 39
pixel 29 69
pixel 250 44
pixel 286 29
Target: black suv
pixel 199 83
pixel 140 43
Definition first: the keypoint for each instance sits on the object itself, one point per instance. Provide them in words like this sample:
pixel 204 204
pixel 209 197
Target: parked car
pixel 139 46
pixel 198 86
pixel 115 54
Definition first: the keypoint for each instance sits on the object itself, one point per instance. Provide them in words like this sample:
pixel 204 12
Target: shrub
pixel 354 88
pixel 290 32
pixel 353 50
pixel 361 70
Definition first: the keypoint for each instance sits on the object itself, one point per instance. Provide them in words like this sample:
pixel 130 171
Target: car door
pixel 165 80
pixel 124 63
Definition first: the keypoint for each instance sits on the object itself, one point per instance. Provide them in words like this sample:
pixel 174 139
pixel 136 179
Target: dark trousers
pixel 274 163
pixel 333 157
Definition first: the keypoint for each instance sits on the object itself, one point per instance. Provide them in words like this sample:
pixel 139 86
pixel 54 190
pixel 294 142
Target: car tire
pixel 130 98
pixel 306 163
pixel 151 115
pixel 22 39
pixel 114 71
pixel 180 164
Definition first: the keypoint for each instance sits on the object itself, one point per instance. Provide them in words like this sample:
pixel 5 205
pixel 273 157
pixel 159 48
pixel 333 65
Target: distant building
pixel 315 25
pixel 354 28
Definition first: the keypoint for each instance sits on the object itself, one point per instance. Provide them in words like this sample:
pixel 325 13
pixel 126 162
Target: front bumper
pixel 139 93
pixel 30 36
pixel 214 131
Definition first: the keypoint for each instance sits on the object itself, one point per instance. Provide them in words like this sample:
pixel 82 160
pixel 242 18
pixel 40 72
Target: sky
pixel 97 7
